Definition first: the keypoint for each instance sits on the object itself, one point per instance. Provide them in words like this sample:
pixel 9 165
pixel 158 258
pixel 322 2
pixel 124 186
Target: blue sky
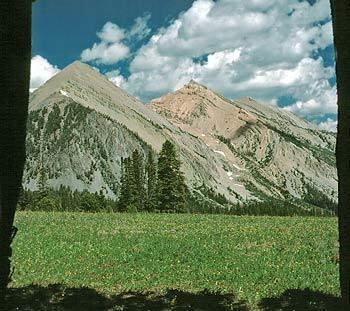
pixel 62 29
pixel 278 51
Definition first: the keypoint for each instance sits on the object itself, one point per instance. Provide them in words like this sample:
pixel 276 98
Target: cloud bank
pixel 40 71
pixel 329 125
pixel 269 50
pixel 264 49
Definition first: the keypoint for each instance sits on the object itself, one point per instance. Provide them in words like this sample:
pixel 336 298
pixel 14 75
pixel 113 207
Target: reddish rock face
pixel 269 142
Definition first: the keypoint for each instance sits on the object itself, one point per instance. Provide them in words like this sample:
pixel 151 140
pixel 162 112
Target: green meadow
pixel 252 258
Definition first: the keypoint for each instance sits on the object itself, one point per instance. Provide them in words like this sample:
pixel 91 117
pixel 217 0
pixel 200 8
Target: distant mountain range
pixel 80 125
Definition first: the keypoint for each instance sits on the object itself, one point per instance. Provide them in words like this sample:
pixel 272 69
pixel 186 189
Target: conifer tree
pixel 125 193
pixel 151 172
pixel 132 191
pixel 138 181
pixel 43 188
pixel 172 189
pixel 43 195
pixel 132 186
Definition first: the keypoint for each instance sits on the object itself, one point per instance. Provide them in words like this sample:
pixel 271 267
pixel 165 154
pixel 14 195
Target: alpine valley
pixel 81 125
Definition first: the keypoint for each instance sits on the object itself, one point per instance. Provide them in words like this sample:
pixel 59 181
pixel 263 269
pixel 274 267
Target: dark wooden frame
pixel 15 56
pixel 341 29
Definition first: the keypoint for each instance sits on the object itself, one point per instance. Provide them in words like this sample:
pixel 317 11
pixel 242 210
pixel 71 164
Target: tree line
pixel 157 184
pixel 146 184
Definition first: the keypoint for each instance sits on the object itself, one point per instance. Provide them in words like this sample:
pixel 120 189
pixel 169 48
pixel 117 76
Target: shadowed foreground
pixel 58 297
pixel 303 300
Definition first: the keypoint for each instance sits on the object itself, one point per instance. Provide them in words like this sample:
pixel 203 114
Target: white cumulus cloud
pixel 111 33
pixel 113 46
pixel 111 49
pixel 116 77
pixel 322 100
pixel 140 29
pixel 329 125
pixel 40 71
pixel 104 53
pixel 264 49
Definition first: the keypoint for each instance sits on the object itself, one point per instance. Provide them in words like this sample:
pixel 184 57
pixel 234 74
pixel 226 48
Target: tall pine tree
pixel 152 185
pixel 132 190
pixel 125 196
pixel 172 189
pixel 138 181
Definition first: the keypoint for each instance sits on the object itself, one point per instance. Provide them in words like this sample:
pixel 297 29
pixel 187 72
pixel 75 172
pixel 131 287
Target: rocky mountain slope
pixel 80 125
pixel 271 152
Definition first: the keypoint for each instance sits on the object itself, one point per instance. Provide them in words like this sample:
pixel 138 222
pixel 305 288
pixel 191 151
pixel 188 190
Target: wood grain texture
pixel 15 55
pixel 341 29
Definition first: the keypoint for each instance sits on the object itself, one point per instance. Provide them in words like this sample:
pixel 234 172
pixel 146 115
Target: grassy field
pixel 251 257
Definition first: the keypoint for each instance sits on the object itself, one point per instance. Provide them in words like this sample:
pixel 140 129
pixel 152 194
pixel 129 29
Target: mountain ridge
pixel 255 133
pixel 80 126
pixel 80 85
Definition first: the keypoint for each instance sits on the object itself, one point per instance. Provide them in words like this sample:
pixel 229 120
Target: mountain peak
pixel 80 82
pixel 79 66
pixel 80 69
pixel 77 63
pixel 192 83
